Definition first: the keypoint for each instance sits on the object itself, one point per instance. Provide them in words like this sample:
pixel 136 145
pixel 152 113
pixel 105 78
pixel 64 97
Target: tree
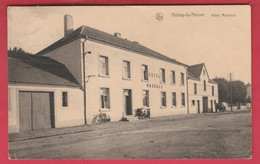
pixel 238 92
pixel 223 89
pixel 248 100
pixel 17 50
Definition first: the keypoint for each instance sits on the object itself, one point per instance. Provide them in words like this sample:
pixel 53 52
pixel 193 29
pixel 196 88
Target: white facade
pixel 71 115
pixel 116 83
pixel 210 93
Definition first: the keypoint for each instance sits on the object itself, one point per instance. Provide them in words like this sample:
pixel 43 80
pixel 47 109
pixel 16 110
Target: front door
pixel 205 104
pixel 198 102
pixel 211 104
pixel 128 101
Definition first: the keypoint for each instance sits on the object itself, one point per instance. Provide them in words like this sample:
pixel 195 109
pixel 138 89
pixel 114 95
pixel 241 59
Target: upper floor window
pixel 174 102
pixel 163 99
pixel 64 99
pixel 182 78
pixel 173 77
pixel 162 75
pixel 204 72
pixel 195 88
pixel 183 99
pixel 205 86
pixel 103 66
pixel 212 90
pixel 126 70
pixel 104 98
pixel 145 98
pixel 144 72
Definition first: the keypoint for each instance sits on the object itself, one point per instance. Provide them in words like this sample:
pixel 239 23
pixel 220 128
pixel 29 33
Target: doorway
pixel 205 104
pixel 198 102
pixel 211 105
pixel 36 110
pixel 128 102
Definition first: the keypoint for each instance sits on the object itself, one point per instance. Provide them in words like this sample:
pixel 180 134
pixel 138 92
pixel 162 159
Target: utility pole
pixel 231 90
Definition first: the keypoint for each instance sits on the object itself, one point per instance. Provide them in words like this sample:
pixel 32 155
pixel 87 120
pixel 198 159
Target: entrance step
pixel 131 118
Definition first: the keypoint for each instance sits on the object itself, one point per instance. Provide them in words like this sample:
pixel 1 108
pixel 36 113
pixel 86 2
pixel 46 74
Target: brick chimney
pixel 117 34
pixel 68 25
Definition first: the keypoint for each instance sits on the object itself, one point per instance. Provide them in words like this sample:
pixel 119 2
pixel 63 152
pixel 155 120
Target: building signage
pixel 155 75
pixel 154 86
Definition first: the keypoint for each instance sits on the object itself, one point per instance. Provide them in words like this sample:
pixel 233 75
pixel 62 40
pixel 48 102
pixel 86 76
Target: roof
pixel 194 72
pixel 103 37
pixel 33 69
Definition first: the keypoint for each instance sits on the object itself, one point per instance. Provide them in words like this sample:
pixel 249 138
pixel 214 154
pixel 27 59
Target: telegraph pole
pixel 231 91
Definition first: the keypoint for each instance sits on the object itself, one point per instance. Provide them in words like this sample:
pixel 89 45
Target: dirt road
pixel 215 135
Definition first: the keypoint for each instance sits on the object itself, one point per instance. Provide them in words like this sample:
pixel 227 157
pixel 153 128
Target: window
pixel 212 90
pixel 182 78
pixel 103 66
pixel 104 98
pixel 174 103
pixel 195 88
pixel 193 102
pixel 173 77
pixel 144 72
pixel 126 70
pixel 163 99
pixel 183 99
pixel 64 99
pixel 205 88
pixel 146 98
pixel 203 72
pixel 162 75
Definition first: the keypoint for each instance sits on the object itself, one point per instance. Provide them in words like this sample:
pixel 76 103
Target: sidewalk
pixel 86 128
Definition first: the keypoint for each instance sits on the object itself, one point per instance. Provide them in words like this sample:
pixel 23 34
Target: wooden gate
pixel 36 110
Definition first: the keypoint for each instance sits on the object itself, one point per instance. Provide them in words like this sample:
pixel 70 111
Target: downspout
pixel 187 90
pixel 84 79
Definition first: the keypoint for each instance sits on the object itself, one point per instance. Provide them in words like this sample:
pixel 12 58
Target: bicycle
pixel 101 118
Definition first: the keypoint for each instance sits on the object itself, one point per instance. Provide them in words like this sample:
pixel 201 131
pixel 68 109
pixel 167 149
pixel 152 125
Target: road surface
pixel 204 136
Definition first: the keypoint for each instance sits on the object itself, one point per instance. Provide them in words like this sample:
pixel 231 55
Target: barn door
pixel 41 111
pixel 36 110
pixel 25 113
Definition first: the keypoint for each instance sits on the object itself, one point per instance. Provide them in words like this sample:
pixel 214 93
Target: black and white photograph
pixel 129 82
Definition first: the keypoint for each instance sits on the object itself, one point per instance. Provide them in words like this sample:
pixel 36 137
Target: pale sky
pixel 223 43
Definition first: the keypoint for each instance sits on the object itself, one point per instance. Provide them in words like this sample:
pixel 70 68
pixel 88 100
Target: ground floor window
pixel 64 99
pixel 174 103
pixel 104 98
pixel 193 102
pixel 183 99
pixel 145 98
pixel 163 99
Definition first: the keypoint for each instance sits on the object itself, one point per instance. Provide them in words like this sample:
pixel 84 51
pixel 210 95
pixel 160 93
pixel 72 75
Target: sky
pixel 219 36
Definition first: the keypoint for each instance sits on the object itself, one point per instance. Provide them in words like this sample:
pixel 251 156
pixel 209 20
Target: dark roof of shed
pixel 100 36
pixel 33 69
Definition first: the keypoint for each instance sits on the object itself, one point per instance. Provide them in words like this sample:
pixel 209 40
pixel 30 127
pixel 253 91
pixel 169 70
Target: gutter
pixel 84 79
pixel 188 110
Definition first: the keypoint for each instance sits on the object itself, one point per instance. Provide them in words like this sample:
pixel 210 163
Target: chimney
pixel 117 34
pixel 68 25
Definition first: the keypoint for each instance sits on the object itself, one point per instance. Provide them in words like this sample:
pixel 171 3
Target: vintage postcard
pixel 129 82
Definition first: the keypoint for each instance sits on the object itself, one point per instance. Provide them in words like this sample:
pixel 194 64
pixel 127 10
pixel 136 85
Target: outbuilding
pixel 42 93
